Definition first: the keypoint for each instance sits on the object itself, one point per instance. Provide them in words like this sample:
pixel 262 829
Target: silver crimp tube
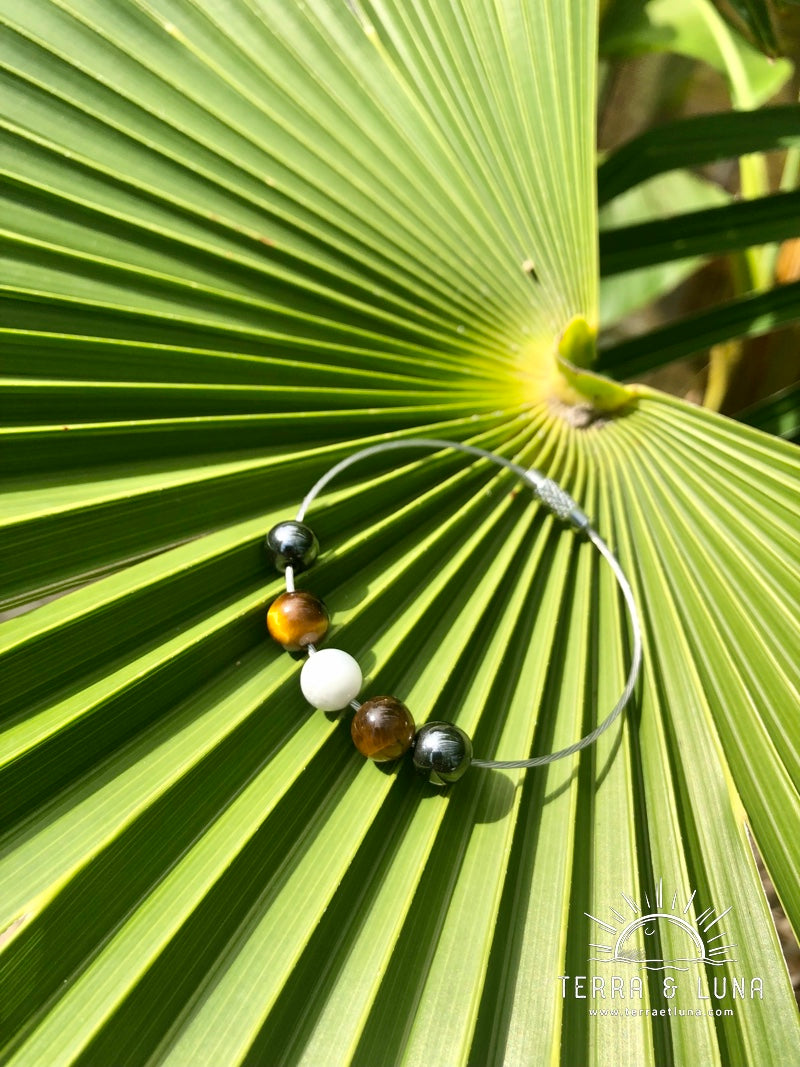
pixel 557 500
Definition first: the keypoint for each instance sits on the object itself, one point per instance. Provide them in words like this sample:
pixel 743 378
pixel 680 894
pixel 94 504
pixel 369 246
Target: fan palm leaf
pixel 246 240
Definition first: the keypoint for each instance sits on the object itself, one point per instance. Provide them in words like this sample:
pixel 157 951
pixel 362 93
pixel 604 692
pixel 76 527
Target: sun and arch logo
pixel 641 937
pixel 661 933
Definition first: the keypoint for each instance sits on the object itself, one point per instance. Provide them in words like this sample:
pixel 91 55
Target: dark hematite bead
pixel 297 619
pixel 442 751
pixel 382 729
pixel 292 544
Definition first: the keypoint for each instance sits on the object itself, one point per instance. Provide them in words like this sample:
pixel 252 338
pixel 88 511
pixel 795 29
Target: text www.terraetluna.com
pixel 614 1013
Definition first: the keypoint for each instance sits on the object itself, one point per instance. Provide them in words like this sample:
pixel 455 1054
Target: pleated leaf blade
pixel 247 240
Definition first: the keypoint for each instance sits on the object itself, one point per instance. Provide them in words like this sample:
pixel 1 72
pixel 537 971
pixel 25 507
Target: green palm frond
pixel 247 239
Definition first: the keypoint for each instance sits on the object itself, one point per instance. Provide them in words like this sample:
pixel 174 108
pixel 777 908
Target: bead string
pixel 383 727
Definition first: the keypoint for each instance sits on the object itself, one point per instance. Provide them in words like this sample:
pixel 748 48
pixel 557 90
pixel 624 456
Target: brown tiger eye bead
pixel 297 619
pixel 382 729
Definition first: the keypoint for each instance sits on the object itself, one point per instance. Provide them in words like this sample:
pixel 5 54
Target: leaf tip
pixel 580 387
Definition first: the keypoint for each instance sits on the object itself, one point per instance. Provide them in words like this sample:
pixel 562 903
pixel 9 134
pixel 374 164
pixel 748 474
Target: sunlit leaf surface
pixel 247 239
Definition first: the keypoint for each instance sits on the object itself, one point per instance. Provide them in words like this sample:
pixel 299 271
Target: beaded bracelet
pixel 383 728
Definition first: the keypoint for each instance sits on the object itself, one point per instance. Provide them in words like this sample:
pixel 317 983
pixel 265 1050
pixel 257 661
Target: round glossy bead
pixel 330 679
pixel 297 619
pixel 292 544
pixel 442 751
pixel 382 729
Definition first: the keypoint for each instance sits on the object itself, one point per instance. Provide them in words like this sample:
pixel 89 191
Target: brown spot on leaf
pixel 7 934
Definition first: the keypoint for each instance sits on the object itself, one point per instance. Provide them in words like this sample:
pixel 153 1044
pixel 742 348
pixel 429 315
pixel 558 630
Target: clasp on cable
pixel 557 500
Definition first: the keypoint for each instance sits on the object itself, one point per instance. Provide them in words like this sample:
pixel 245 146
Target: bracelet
pixel 383 728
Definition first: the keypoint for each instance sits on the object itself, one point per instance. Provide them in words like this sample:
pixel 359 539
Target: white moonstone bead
pixel 330 679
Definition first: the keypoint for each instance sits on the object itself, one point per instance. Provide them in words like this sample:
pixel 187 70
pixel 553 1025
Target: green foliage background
pixel 246 239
